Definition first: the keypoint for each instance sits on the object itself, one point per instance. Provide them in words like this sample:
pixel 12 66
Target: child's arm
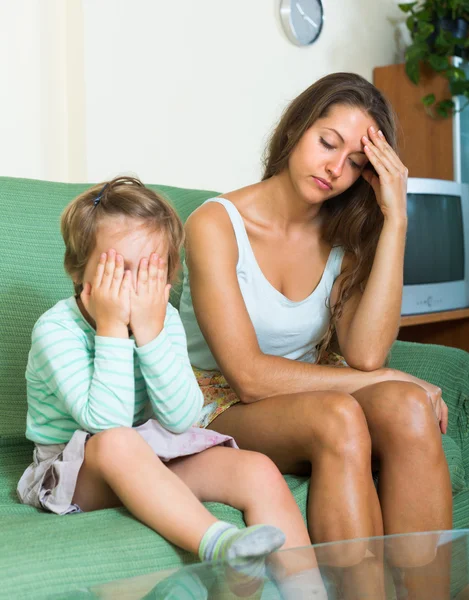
pixel 64 377
pixel 171 385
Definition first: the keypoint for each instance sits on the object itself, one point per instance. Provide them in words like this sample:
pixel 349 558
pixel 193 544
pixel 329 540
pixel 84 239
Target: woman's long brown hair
pixel 353 219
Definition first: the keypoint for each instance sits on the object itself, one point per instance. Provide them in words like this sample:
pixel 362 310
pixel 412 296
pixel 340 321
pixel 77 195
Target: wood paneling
pixel 425 143
pixel 447 333
pixel 447 315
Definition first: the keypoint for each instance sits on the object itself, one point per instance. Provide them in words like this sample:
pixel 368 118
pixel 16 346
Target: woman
pixel 276 268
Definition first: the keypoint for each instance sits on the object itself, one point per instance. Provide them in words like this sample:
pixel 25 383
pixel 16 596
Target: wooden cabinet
pixel 425 144
pixel 449 328
pixel 426 148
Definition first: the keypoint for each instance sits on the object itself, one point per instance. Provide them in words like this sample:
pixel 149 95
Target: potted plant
pixel 439 31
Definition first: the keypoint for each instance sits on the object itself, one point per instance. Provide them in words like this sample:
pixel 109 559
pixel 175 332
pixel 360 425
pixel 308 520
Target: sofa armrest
pixel 445 367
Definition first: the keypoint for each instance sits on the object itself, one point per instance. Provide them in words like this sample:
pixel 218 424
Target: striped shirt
pixel 79 380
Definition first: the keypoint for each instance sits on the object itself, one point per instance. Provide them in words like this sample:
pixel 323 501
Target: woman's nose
pixel 335 168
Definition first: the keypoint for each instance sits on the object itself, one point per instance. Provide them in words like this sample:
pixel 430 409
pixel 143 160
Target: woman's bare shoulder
pixel 213 214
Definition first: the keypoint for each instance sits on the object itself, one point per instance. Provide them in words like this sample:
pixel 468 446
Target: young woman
pixel 280 269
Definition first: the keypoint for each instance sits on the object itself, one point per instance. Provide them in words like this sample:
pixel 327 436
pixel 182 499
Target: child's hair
pixel 121 196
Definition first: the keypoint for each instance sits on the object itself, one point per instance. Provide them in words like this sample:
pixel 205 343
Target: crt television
pixel 436 263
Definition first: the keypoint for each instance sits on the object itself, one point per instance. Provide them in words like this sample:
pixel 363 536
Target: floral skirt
pixel 219 396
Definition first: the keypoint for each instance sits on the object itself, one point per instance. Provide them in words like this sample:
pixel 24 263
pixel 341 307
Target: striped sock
pixel 246 549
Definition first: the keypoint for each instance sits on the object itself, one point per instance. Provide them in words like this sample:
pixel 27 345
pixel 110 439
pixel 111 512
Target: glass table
pixel 419 566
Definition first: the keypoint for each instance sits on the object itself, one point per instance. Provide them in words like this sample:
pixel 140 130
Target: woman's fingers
pixel 380 163
pixel 444 417
pixel 378 139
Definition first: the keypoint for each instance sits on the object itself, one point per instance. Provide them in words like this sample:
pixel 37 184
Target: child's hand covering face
pixel 107 299
pixel 134 259
pixel 149 299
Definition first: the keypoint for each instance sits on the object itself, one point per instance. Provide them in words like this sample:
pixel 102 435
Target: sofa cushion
pixel 33 279
pixel 48 555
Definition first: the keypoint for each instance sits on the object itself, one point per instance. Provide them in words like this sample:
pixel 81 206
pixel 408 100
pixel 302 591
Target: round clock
pixel 302 20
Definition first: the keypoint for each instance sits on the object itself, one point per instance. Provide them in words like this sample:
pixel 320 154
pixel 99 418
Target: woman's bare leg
pixel 413 474
pixel 326 434
pixel 413 470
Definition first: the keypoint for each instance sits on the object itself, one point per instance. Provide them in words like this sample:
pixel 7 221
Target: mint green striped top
pixel 79 380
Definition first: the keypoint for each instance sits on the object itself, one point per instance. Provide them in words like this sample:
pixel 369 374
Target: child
pixel 112 397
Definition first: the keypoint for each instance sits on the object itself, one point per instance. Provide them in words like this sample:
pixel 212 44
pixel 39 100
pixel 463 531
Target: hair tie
pixel 99 196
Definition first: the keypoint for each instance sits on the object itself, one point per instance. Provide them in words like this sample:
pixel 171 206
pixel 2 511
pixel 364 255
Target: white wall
pixel 180 92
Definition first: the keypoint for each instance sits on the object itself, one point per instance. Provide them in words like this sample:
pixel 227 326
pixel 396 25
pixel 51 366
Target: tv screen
pixel 435 239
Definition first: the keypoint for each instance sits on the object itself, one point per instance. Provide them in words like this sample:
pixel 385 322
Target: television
pixel 436 262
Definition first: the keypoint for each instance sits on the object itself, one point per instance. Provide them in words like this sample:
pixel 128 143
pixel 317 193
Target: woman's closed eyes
pixel 330 147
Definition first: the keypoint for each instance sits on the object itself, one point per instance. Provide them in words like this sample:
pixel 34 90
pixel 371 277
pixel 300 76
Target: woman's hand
pixel 149 299
pixel 107 299
pixel 390 186
pixel 433 392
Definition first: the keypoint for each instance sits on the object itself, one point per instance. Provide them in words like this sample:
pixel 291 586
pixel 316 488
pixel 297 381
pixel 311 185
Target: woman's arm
pixel 370 322
pixel 211 255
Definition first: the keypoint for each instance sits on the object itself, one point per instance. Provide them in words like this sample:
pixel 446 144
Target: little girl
pixel 112 396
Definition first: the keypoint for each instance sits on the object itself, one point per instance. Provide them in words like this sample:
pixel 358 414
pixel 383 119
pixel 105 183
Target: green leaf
pixel 449 104
pixel 425 30
pixel 429 99
pixel 412 68
pixel 438 63
pixel 416 51
pixel 459 88
pixel 410 22
pixel 407 7
pixel 442 112
pixel 455 74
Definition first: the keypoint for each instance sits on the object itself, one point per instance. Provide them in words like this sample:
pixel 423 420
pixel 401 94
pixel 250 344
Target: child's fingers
pixel 163 271
pixel 153 270
pixel 166 293
pixel 118 274
pixel 142 276
pixel 109 269
pixel 126 283
pixel 98 277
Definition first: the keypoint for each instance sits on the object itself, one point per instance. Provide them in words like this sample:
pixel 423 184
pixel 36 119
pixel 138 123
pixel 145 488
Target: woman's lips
pixel 322 183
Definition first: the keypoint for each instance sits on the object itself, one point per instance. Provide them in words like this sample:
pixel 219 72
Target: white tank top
pixel 283 327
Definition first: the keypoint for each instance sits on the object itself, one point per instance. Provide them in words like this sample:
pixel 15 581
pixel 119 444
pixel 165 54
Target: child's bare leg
pixel 250 482
pixel 121 468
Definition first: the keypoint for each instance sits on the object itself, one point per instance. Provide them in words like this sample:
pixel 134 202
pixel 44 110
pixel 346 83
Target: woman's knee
pixel 416 421
pixel 343 429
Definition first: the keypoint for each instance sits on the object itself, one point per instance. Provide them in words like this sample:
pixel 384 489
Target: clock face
pixel 302 20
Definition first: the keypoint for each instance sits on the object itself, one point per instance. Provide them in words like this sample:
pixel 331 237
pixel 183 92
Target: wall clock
pixel 302 20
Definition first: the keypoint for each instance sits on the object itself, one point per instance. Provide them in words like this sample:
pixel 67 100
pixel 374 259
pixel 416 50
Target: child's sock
pixel 223 541
pixel 246 550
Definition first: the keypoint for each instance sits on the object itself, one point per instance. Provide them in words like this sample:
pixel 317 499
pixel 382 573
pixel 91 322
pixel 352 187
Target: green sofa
pixel 43 555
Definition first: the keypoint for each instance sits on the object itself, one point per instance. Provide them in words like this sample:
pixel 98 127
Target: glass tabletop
pixel 423 566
